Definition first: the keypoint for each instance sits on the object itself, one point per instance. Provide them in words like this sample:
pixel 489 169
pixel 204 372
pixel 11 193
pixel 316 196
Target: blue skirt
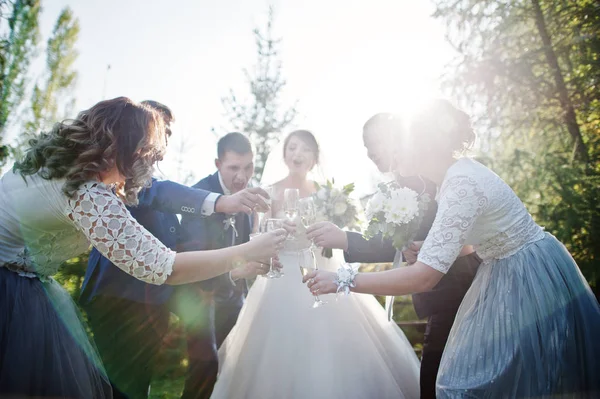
pixel 44 350
pixel 529 326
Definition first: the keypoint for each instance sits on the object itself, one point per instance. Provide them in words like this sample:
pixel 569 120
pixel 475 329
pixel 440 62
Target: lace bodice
pixel 40 228
pixel 476 207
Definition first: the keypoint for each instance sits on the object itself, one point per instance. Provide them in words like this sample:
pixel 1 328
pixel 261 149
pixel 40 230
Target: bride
pixel 283 348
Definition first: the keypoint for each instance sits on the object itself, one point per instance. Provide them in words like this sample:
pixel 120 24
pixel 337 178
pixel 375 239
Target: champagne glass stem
pixel 318 302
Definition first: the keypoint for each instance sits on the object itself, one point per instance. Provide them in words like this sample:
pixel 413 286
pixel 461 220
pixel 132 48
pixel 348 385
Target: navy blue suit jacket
pixel 157 209
pixel 210 233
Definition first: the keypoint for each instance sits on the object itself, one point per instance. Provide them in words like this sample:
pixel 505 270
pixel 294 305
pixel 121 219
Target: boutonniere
pixel 230 223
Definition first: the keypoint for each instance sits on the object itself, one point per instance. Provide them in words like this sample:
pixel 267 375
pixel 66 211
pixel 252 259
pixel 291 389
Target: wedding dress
pixel 529 324
pixel 283 348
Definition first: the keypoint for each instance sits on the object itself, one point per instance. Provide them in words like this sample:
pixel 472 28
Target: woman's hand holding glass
pixel 275 225
pixel 321 282
pixel 264 247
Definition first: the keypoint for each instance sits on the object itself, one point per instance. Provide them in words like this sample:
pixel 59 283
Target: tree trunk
pixel 565 102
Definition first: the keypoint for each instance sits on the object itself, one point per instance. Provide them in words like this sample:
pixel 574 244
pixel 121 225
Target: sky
pixel 344 60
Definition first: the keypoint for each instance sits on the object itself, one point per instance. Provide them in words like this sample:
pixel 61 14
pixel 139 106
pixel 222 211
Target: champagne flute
pixel 261 215
pixel 307 264
pixel 271 225
pixel 290 205
pixel 308 215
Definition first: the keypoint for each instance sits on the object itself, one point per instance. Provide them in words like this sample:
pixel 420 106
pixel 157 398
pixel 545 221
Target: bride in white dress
pixel 283 348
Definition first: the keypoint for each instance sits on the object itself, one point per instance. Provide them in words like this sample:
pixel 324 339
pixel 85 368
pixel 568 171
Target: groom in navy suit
pixel 130 318
pixel 439 305
pixel 235 167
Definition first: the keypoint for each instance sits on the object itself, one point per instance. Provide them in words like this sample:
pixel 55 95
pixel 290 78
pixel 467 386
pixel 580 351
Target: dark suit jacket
pixel 447 295
pixel 209 233
pixel 156 211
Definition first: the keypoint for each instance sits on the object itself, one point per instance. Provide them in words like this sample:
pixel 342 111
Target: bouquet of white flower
pixel 335 205
pixel 396 212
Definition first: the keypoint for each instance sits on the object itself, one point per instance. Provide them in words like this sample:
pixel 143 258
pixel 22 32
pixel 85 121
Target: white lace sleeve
pixel 461 202
pixel 109 227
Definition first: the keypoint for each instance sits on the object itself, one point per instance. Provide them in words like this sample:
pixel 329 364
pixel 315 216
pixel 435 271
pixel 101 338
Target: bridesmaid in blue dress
pixel 70 191
pixel 529 324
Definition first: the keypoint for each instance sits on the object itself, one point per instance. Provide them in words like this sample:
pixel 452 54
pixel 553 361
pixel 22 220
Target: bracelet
pixel 345 278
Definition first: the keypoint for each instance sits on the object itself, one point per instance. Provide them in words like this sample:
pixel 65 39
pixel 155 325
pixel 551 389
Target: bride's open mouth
pixel 298 162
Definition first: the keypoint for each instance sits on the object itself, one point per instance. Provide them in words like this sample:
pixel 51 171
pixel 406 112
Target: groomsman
pixel 439 305
pixel 235 167
pixel 130 318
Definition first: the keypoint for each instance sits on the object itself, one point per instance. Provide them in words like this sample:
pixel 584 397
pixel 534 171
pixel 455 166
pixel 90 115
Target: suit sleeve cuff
pixel 208 206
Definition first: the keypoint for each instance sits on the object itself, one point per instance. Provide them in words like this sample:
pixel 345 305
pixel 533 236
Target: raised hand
pixel 327 235
pixel 253 269
pixel 265 246
pixel 246 201
pixel 321 282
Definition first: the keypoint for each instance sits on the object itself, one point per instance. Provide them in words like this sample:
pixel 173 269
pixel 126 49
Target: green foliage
pixel 335 205
pixel 19 41
pixel 60 77
pixel 262 116
pixel 70 275
pixel 529 71
pixel 19 36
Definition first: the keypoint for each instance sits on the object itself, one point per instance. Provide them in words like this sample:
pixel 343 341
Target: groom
pixel 439 305
pixel 235 167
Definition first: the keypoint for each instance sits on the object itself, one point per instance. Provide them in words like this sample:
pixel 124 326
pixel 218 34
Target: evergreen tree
pixel 262 116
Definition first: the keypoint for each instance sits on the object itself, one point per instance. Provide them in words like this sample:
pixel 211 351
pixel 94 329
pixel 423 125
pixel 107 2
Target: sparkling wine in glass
pixel 307 264
pixel 308 214
pixel 271 225
pixel 262 225
pixel 291 197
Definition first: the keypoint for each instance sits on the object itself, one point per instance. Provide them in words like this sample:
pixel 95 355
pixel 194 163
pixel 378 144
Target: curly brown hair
pixel 117 132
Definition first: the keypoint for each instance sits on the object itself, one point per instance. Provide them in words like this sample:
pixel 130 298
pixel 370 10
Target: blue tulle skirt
pixel 529 327
pixel 44 350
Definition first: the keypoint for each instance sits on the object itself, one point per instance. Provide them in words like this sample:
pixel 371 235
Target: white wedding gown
pixel 283 348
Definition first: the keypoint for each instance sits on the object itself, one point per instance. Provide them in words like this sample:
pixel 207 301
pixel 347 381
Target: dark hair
pixel 384 123
pixel 307 137
pixel 165 111
pixel 236 142
pixel 440 118
pixel 117 132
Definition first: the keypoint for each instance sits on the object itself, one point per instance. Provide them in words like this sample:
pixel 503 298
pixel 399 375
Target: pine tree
pixel 262 116
pixel 59 77
pixel 19 36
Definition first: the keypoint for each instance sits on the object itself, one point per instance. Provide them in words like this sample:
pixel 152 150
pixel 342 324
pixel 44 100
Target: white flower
pixel 340 208
pixel 375 205
pixel 322 194
pixel 402 206
pixel 335 192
